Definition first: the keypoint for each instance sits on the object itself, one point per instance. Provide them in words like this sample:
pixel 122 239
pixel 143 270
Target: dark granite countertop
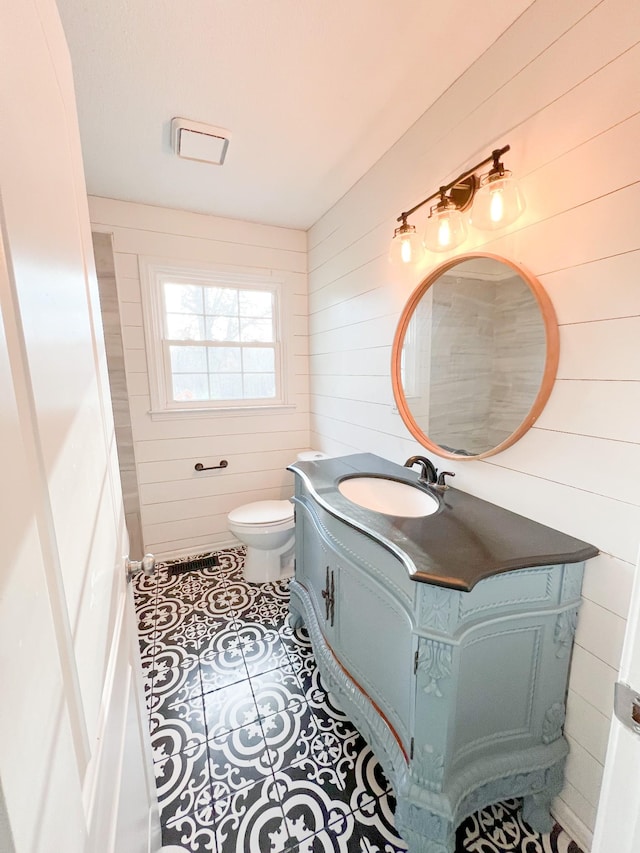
pixel 465 540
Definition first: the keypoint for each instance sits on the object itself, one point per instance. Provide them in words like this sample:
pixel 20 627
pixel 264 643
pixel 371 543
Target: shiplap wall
pixel 110 312
pixel 562 87
pixel 183 511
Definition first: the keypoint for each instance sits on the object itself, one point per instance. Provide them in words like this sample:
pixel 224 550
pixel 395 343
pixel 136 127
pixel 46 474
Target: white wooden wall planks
pixel 183 511
pixel 562 87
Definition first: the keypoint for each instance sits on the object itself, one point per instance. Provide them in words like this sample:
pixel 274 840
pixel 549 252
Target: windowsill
pixel 175 414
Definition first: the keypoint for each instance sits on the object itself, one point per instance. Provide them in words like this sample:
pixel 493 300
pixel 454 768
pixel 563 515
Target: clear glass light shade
pixel 498 202
pixel 406 246
pixel 445 229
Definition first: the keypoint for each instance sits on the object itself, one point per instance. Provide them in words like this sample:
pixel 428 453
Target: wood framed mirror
pixel 474 357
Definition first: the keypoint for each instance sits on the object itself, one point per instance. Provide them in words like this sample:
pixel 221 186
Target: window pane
pixel 188 359
pixel 255 303
pixel 183 298
pixel 260 331
pixel 258 360
pixel 224 360
pixel 259 385
pixel 221 300
pixel 185 327
pixel 190 386
pixel 225 386
pixel 222 329
pixel 222 341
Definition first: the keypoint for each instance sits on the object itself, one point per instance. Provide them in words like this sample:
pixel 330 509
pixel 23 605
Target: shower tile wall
pixel 461 372
pixel 519 351
pixel 103 251
pixel 482 383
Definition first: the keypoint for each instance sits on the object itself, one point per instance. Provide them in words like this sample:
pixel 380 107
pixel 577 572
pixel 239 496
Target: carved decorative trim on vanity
pixel 427 767
pixel 571 582
pixel 539 597
pixel 564 631
pixel 435 660
pixel 553 723
pixel 436 609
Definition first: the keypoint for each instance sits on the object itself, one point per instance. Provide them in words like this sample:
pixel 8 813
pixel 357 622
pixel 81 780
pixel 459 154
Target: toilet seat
pixel 275 514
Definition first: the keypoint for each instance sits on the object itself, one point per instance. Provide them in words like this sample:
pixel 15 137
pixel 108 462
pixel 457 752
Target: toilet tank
pixel 311 456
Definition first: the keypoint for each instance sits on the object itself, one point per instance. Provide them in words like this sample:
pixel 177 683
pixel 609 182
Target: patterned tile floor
pixel 250 752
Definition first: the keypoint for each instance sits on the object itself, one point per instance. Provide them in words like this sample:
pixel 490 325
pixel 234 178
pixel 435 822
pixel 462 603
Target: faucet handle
pixel 441 476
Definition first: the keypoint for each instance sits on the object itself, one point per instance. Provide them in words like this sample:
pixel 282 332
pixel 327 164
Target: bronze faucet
pixel 428 474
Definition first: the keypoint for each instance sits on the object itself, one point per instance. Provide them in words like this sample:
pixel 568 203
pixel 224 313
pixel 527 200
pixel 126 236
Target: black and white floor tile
pixel 251 754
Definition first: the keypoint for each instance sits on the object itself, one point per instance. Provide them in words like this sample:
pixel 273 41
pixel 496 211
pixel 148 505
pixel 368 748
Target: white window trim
pixel 153 272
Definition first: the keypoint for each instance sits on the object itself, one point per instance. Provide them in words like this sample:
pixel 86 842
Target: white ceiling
pixel 313 92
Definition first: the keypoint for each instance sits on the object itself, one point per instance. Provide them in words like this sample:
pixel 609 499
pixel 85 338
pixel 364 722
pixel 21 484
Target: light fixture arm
pixel 498 167
pixel 494 157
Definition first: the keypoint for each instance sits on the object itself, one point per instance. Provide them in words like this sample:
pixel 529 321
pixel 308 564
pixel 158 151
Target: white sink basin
pixel 390 497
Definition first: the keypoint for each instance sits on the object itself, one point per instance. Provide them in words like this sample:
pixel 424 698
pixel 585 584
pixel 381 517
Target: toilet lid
pixel 262 512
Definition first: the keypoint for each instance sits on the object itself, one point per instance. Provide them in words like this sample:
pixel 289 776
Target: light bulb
pixel 496 207
pixel 497 203
pixel 444 232
pixel 406 246
pixel 405 250
pixel 445 228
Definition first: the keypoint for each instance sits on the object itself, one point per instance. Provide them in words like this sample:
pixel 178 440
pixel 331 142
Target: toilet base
pixel 267 566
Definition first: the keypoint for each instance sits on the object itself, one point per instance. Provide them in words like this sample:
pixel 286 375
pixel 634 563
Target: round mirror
pixel 474 357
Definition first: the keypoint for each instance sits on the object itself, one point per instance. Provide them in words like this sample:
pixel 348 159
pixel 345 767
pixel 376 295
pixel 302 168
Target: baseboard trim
pixel 572 825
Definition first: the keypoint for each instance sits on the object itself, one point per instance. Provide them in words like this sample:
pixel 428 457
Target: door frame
pixel 618 818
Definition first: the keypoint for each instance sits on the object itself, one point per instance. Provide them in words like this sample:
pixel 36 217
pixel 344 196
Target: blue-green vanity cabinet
pixel 461 694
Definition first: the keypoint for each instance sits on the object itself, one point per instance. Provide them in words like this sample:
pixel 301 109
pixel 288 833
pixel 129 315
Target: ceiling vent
pixel 196 141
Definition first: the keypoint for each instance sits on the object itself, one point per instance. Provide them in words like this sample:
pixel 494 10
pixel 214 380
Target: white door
pixel 618 821
pixel 74 764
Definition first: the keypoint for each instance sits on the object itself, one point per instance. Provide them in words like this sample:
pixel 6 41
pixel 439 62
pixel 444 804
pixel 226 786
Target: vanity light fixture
pixel 497 202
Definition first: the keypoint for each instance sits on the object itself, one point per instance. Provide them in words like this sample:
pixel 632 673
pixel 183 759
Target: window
pixel 219 343
pixel 215 339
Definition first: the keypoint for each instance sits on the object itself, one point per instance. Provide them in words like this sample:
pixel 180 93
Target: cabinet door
pixel 375 645
pixel 316 571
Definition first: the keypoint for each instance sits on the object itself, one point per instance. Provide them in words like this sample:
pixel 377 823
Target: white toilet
pixel 267 530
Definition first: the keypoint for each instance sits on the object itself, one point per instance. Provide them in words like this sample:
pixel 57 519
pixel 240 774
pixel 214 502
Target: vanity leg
pixel 536 806
pixel 535 811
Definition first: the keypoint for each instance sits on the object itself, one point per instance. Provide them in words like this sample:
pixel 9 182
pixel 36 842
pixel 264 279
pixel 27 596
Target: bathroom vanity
pixel 445 637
